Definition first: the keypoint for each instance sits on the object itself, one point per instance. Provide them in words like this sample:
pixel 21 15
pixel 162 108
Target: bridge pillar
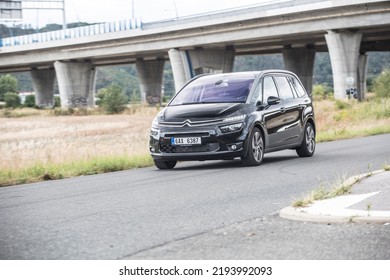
pixel 182 72
pixel 150 74
pixel 344 51
pixel 362 76
pixel 43 83
pixel 76 83
pixel 189 63
pixel 301 62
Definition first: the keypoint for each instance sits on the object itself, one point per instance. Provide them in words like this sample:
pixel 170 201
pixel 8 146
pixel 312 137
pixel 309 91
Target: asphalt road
pixel 199 210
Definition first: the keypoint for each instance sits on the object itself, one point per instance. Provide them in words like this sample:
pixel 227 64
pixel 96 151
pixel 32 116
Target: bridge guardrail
pixel 82 31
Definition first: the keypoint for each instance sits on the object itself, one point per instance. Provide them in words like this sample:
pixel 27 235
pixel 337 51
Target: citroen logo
pixel 187 123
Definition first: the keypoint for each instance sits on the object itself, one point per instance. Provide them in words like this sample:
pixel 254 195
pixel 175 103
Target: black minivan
pixel 229 115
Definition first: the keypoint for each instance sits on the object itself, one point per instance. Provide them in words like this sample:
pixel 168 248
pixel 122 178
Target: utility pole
pixel 177 14
pixel 63 15
pixel 132 9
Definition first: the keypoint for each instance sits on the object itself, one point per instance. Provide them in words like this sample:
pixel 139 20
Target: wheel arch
pixel 263 134
pixel 311 121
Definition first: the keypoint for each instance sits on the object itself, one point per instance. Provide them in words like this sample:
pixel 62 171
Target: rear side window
pixel 297 86
pixel 285 90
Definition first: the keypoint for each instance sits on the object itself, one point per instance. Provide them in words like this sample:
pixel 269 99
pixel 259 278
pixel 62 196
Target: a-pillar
pixel 76 83
pixel 301 62
pixel 344 51
pixel 188 63
pixel 150 75
pixel 43 83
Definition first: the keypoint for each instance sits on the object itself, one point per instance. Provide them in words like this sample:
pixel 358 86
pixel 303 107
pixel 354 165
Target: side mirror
pixel 260 106
pixel 273 100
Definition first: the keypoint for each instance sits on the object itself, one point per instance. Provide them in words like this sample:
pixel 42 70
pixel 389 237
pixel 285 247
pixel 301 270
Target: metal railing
pixel 88 30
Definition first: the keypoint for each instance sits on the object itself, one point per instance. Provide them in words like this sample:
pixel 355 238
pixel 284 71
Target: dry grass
pixel 348 119
pixel 37 145
pixel 46 139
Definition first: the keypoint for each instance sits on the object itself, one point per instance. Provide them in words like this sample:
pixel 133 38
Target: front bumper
pixel 214 144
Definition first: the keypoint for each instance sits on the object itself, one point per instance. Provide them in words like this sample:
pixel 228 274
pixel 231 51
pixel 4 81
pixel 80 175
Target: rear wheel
pixel 165 164
pixel 255 153
pixel 309 142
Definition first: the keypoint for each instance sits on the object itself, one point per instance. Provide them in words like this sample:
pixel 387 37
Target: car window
pixel 269 88
pixel 285 91
pixel 298 87
pixel 256 93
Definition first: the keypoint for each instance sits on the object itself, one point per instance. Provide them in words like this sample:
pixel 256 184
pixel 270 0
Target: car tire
pixel 309 142
pixel 165 164
pixel 255 154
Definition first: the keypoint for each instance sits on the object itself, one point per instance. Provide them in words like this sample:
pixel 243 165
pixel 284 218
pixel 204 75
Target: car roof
pixel 255 73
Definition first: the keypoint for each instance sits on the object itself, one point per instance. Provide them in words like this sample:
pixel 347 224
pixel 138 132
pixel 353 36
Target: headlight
pixel 231 128
pixel 155 122
pixel 155 131
pixel 234 119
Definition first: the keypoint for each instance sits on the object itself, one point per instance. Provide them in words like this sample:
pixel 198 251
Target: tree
pixel 8 83
pixel 12 100
pixel 112 99
pixel 382 84
pixel 125 76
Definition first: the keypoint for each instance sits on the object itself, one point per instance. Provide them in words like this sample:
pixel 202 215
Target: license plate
pixel 186 141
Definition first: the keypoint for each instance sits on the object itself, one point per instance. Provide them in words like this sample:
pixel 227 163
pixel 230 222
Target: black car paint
pixel 281 125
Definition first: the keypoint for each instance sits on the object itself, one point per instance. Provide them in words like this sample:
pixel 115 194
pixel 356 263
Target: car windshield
pixel 232 88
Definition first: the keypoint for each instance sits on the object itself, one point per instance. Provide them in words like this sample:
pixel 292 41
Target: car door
pixel 290 125
pixel 302 99
pixel 272 114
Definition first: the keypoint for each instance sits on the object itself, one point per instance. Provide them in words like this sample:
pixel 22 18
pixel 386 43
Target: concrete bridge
pixel 347 29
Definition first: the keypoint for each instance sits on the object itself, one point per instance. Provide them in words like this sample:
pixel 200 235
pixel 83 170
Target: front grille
pixel 189 134
pixel 190 123
pixel 209 147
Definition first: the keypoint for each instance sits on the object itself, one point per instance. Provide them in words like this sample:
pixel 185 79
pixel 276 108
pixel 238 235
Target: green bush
pixel 12 100
pixel 57 102
pixel 321 91
pixel 8 83
pixel 341 105
pixel 112 99
pixel 29 101
pixel 382 84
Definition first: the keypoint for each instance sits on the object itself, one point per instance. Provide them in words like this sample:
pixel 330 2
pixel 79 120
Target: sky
pixel 147 10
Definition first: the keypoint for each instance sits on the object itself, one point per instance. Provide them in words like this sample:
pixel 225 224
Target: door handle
pixel 282 109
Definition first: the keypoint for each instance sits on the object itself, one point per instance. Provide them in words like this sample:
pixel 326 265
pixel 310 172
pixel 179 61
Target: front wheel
pixel 165 164
pixel 309 142
pixel 255 153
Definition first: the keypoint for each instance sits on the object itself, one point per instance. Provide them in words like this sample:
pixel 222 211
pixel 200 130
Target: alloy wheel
pixel 310 139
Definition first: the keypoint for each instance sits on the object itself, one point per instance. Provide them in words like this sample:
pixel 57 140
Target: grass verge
pixel 344 133
pixel 342 187
pixel 43 172
pixel 336 119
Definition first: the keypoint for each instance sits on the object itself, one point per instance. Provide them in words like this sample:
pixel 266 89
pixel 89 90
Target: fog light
pixel 235 146
pixel 154 132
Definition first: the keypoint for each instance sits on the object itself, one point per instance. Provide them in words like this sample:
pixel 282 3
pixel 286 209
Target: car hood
pixel 200 111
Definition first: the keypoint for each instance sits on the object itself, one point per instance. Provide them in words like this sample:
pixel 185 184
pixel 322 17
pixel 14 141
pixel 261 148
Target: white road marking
pixel 338 207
